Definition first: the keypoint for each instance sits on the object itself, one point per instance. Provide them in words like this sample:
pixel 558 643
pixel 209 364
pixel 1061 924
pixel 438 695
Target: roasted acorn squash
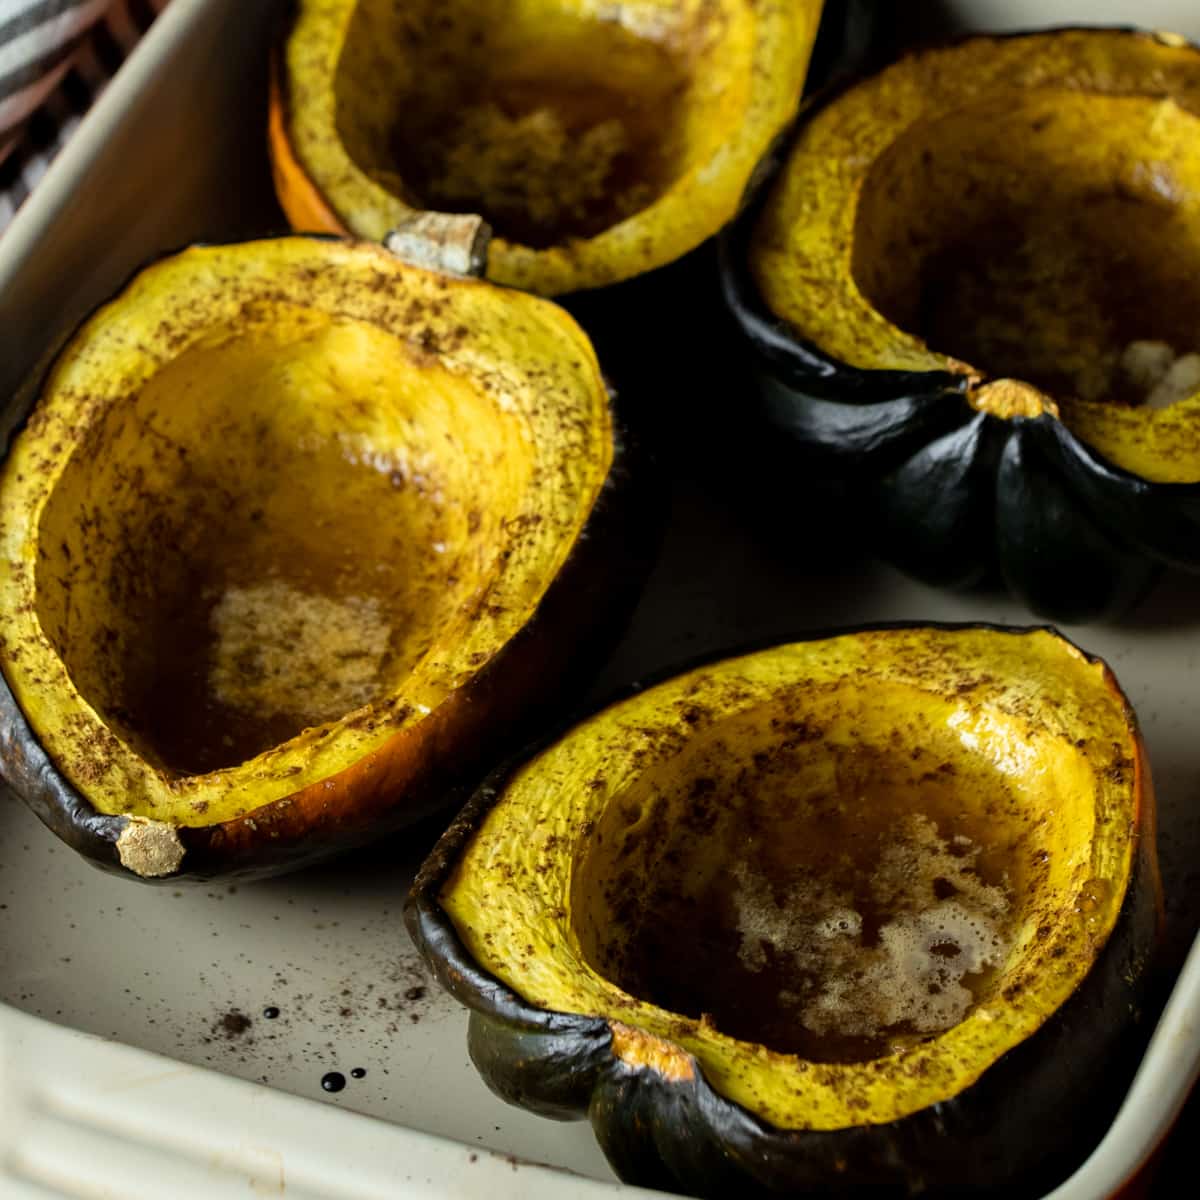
pixel 295 536
pixel 600 140
pixel 972 288
pixel 866 913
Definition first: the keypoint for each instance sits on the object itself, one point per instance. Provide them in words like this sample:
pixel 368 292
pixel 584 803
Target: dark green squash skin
pixel 547 664
pixel 948 494
pixel 1021 1128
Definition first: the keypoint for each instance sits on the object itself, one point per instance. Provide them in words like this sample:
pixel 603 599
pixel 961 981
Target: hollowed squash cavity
pixel 275 504
pixel 837 886
pixel 552 124
pixel 1007 234
pixel 272 532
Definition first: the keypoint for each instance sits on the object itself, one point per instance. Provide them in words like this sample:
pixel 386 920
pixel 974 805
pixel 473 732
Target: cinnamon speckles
pixel 95 748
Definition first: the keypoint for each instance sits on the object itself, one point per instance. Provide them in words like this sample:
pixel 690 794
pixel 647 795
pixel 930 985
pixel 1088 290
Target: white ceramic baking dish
pixel 189 1091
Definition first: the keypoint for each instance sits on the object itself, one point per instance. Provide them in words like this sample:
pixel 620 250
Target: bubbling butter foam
pixel 894 952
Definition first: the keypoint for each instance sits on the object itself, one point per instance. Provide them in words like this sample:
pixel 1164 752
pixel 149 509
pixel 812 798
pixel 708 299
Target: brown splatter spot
pixel 232 1024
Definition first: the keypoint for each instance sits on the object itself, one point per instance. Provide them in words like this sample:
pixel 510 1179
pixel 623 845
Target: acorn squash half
pixel 864 914
pixel 295 537
pixel 973 290
pixel 600 140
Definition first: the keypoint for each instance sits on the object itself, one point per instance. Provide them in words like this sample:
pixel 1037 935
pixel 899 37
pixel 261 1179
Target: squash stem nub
pixel 452 243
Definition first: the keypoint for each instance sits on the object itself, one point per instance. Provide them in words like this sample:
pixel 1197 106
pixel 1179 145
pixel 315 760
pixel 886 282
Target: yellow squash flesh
pixel 1019 732
pixel 1019 208
pixel 277 502
pixel 600 140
